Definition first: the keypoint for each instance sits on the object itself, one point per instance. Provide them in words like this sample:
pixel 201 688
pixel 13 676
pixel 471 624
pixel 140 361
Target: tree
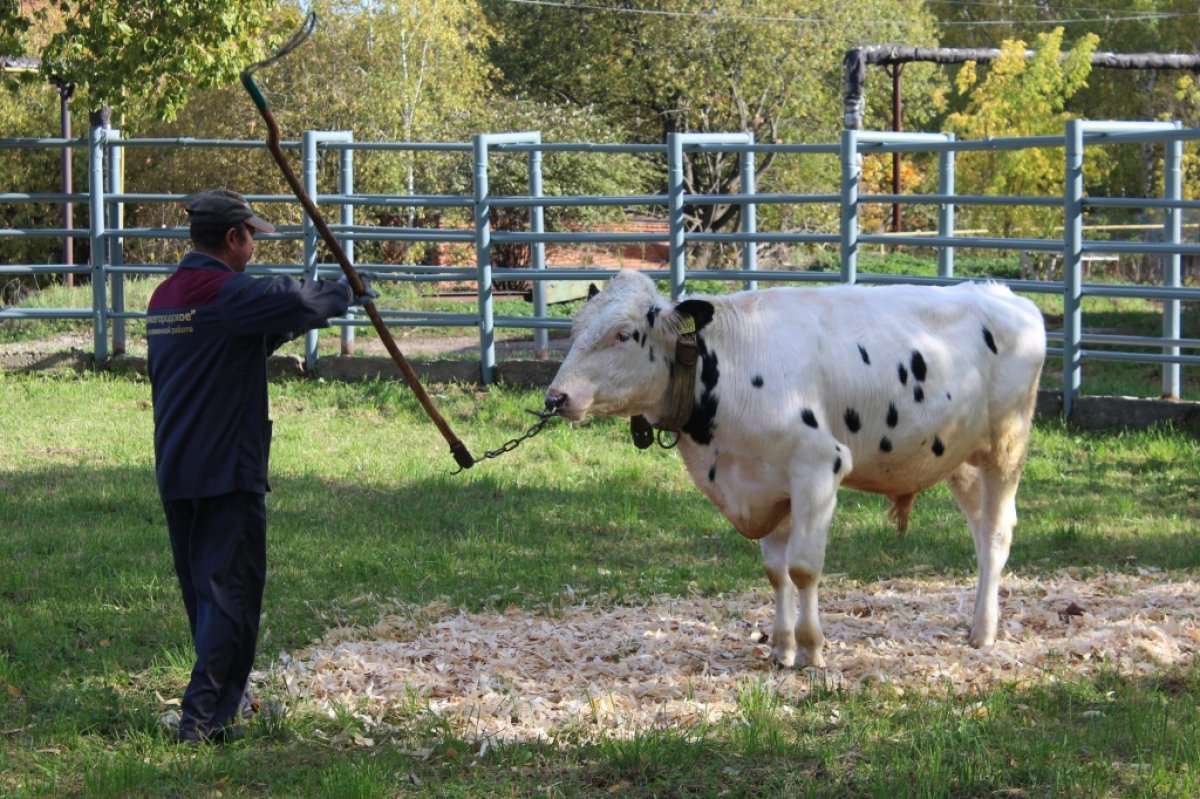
pixel 349 76
pixel 1020 97
pixel 769 67
pixel 13 26
pixel 130 53
pixel 1125 26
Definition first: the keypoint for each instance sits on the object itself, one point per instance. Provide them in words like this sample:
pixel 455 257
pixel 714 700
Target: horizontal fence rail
pixel 106 200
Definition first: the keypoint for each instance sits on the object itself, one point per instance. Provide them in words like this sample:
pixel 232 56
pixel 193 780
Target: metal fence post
pixel 1172 234
pixel 116 245
pixel 1072 264
pixel 345 188
pixel 309 163
pixel 946 211
pixel 851 172
pixel 749 216
pixel 483 261
pixel 675 222
pixel 537 252
pixel 99 275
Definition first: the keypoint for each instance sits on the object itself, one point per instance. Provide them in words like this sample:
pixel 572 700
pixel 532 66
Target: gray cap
pixel 222 209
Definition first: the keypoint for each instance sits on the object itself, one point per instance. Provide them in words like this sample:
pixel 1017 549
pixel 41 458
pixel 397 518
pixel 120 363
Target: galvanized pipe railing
pixel 107 232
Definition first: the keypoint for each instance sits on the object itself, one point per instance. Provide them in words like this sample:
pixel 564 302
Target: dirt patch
pixel 62 351
pixel 674 661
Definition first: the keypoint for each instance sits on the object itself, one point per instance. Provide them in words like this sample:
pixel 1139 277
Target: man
pixel 210 329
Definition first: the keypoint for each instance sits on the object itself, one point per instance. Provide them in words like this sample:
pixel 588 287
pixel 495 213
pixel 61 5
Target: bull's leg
pixel 775 560
pixel 814 496
pixel 998 478
pixel 966 485
pixel 992 542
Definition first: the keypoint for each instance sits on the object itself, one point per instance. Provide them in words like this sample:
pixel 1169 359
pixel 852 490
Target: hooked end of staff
pixel 461 456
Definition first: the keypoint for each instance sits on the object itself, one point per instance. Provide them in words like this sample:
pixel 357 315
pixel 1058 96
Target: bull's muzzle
pixel 555 401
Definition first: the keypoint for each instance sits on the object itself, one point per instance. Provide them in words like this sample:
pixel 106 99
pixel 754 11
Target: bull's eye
pixel 622 337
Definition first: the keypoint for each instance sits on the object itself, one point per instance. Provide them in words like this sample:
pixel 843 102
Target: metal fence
pixel 107 234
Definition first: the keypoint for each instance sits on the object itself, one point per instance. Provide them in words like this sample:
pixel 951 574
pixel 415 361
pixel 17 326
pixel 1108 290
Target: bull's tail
pixel 901 507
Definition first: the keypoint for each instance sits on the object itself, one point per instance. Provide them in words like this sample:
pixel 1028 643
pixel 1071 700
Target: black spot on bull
pixel 652 314
pixel 652 355
pixel 885 444
pixel 637 336
pixel 699 310
pixel 918 366
pixel 712 473
pixel 853 423
pixel 863 352
pixel 701 424
pixel 809 418
pixel 918 394
pixel 987 339
pixel 938 447
pixel 837 465
pixel 709 374
pixel 757 382
pixel 892 416
pixel 900 370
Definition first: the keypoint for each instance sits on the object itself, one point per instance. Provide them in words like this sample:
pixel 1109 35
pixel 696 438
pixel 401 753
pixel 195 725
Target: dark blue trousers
pixel 220 550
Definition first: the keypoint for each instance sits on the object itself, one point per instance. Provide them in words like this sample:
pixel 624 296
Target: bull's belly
pixel 909 469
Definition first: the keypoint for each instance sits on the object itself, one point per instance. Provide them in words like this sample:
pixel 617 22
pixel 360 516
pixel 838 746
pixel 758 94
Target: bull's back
pixel 912 379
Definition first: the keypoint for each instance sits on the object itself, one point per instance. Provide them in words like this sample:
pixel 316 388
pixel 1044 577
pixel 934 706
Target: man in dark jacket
pixel 210 329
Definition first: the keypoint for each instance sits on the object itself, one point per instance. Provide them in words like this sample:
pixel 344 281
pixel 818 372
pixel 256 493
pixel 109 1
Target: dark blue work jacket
pixel 210 330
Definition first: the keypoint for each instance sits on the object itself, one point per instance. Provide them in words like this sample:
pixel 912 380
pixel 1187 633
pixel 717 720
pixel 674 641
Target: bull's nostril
pixel 555 400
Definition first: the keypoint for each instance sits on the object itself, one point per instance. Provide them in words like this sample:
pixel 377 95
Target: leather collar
pixel 681 389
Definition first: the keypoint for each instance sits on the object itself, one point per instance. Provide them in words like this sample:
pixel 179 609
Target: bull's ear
pixel 592 290
pixel 701 311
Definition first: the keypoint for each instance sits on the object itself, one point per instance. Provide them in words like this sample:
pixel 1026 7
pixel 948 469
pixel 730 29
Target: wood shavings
pixel 518 675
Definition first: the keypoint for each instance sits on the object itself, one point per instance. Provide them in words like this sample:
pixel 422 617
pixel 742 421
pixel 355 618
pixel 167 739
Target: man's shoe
pixel 190 734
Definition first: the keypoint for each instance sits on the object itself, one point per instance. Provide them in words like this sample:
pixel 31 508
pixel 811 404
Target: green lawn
pixel 92 632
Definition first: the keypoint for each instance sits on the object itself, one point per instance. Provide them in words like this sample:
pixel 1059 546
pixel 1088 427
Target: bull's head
pixel 622 350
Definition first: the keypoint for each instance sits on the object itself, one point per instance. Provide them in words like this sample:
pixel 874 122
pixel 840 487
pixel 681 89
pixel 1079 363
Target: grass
pixel 92 631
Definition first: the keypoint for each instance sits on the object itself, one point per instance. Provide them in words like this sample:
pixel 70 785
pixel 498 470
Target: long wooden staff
pixel 461 455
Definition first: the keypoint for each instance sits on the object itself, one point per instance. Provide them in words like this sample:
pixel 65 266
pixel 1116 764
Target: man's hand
pixel 369 294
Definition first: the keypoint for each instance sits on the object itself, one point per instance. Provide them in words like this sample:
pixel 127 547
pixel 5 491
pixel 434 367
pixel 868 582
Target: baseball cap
pixel 221 209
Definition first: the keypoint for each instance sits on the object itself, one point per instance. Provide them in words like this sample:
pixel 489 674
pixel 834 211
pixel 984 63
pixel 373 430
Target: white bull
pixel 797 391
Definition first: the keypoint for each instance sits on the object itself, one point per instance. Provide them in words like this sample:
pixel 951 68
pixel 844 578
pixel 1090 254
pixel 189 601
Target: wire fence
pixel 107 233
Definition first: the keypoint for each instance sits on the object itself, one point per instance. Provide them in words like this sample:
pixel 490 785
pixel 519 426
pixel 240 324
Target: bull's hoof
pixel 813 660
pixel 981 640
pixel 784 660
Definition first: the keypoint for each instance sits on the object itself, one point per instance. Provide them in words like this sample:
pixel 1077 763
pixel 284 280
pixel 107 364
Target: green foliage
pixel 13 25
pixel 700 66
pixel 352 75
pixel 1020 97
pixel 1139 94
pixel 135 53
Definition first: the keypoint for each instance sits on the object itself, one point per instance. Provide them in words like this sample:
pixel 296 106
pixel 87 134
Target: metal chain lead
pixel 544 418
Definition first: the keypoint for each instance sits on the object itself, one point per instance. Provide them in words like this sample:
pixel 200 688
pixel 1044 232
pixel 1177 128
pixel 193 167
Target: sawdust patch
pixel 678 661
